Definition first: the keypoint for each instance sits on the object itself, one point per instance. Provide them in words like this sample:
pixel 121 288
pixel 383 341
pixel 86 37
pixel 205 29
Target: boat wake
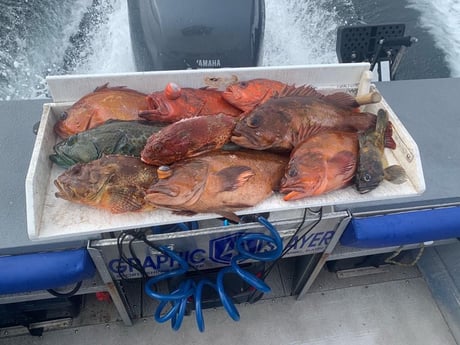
pixel 441 19
pixel 92 36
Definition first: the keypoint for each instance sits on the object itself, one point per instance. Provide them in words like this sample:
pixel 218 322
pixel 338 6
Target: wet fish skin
pixel 175 103
pixel 102 104
pixel 187 138
pixel 116 183
pixel 281 123
pixel 219 182
pixel 246 95
pixel 112 137
pixel 371 170
pixel 322 163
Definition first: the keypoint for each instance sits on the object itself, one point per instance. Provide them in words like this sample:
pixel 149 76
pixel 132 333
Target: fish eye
pixel 367 177
pixel 254 121
pixel 244 84
pixel 172 91
pixel 72 140
pixel 63 116
pixel 292 172
pixel 158 147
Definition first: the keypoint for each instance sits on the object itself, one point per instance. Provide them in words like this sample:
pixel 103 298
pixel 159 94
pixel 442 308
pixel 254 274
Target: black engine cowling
pixel 178 34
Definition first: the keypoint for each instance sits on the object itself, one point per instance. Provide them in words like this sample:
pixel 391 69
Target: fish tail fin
pixel 362 122
pixel 395 174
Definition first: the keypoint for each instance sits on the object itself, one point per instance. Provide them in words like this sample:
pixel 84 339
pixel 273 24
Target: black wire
pixel 65 294
pixel 296 232
pixel 291 245
pixel 122 257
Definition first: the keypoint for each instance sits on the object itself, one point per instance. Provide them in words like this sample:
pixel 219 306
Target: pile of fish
pixel 204 150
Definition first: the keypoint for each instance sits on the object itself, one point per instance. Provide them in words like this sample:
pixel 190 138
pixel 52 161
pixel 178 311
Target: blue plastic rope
pixel 177 300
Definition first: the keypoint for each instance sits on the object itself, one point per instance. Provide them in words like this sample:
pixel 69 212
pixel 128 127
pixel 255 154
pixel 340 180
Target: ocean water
pixel 40 38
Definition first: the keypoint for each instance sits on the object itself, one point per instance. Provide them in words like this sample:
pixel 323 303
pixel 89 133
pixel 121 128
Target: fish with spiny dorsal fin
pixel 371 170
pixel 220 182
pixel 282 122
pixel 322 163
pixel 97 107
pixel 187 138
pixel 116 183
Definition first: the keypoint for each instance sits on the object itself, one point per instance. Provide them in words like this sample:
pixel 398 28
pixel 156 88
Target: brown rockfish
pixel 115 182
pixel 281 123
pixel 219 182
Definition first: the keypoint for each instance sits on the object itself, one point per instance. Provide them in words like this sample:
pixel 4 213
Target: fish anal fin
pixel 184 213
pixel 234 177
pixel 229 215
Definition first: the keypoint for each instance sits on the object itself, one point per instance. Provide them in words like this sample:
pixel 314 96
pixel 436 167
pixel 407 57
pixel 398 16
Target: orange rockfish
pixel 219 182
pixel 322 163
pixel 247 95
pixel 176 103
pixel 97 107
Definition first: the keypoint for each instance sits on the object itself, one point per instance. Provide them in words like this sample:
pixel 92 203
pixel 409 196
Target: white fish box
pixel 49 217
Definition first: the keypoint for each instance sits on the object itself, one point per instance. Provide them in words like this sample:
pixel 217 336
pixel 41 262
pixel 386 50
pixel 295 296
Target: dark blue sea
pixel 49 37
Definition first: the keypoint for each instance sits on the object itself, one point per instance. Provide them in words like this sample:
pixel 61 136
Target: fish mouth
pixel 166 190
pixel 231 94
pixel 156 107
pixel 249 140
pixel 365 189
pixel 63 192
pixel 60 129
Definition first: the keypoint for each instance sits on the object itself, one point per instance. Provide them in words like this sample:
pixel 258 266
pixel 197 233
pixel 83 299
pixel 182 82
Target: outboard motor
pixel 178 34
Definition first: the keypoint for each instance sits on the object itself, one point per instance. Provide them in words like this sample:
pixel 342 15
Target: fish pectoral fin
pixel 344 162
pixel 395 174
pixel 234 177
pixel 122 141
pixel 125 198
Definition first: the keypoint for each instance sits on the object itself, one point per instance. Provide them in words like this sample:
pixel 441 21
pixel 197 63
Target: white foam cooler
pixel 50 217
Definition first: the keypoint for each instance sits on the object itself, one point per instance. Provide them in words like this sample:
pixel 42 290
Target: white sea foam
pixel 442 19
pixel 111 44
pixel 296 32
pixel 300 32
